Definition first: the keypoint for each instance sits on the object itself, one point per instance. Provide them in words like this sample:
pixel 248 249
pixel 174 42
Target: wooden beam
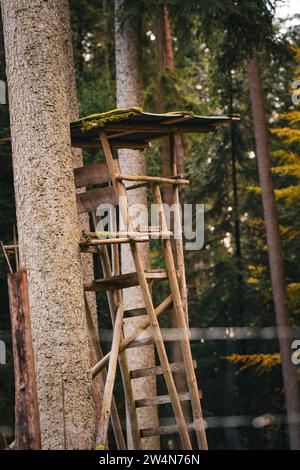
pixel 111 241
pixel 163 430
pixel 92 174
pixel 122 281
pixel 141 128
pixel 111 376
pixel 113 298
pixel 153 179
pixel 182 325
pixel 157 370
pixel 83 143
pixel 161 400
pixel 90 200
pixel 100 235
pixel 27 424
pixel 94 339
pixel 131 341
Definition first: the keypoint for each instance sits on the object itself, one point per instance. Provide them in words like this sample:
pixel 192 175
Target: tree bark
pixel 129 93
pixel 47 220
pixel 77 161
pixel 276 262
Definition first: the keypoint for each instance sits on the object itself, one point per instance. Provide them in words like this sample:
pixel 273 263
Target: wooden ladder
pixel 113 283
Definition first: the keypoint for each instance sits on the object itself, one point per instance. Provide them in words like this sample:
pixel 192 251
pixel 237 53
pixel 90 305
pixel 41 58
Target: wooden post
pixel 177 247
pixel 27 423
pixel 115 419
pixel 182 325
pixel 111 376
pixel 178 244
pixel 132 337
pixel 113 297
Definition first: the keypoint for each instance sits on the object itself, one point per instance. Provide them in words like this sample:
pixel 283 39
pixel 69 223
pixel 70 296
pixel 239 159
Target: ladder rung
pixel 123 281
pixel 105 235
pixel 157 370
pixel 161 430
pixel 152 179
pixel 135 312
pixel 162 400
pixel 112 241
pixel 138 343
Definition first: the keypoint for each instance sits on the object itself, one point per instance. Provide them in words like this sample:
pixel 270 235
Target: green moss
pixel 102 119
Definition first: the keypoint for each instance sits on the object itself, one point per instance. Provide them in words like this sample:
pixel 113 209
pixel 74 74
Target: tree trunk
pixel 129 93
pixel 77 158
pixel 275 252
pixel 47 220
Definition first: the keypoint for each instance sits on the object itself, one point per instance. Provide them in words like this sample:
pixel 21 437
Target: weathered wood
pixel 163 430
pixel 113 298
pixel 182 325
pixel 179 416
pixel 83 143
pixel 122 234
pixel 178 254
pixel 157 370
pixel 141 128
pixel 153 179
pixel 139 343
pixel 115 419
pixel 27 424
pixel 111 376
pixel 176 119
pixel 111 241
pixel 130 341
pixel 178 243
pixel 90 200
pixel 122 281
pixel 93 174
pixel 136 186
pixel 121 194
pixel 135 312
pixel 161 400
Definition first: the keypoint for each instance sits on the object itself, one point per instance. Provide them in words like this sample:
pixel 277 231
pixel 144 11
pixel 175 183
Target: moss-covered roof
pixel 132 127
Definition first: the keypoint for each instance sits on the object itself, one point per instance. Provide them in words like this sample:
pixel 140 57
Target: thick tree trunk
pixel 132 162
pixel 77 157
pixel 47 220
pixel 291 385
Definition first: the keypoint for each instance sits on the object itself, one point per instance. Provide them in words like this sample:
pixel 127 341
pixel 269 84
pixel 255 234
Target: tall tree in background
pixel 243 45
pixel 129 93
pixel 278 280
pixel 47 220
